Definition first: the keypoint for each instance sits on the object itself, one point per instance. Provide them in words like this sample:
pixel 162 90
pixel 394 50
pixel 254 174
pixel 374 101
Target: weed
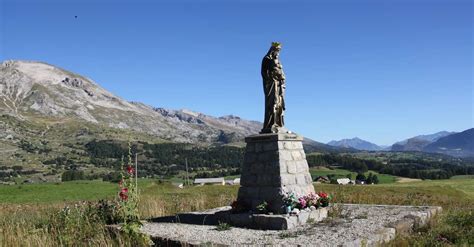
pixel 223 226
pixel 262 207
pixel 335 211
pixel 362 216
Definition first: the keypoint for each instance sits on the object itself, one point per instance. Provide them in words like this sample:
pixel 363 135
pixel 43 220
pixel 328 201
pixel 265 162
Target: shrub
pixel 223 227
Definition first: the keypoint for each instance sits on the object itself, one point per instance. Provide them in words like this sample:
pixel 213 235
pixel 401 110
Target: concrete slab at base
pixel 248 220
pixel 354 225
pixel 272 222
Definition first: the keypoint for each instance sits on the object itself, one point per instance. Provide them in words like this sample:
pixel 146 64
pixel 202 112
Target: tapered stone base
pixel 275 164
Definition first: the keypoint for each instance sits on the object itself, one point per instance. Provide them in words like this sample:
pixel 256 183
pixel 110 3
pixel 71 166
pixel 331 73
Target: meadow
pixel 34 214
pixel 342 173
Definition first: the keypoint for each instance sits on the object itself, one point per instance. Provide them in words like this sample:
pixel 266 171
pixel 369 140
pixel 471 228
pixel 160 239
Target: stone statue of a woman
pixel 274 88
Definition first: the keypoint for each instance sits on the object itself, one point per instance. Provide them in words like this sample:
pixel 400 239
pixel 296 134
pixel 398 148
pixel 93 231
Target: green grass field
pixel 61 192
pixel 463 177
pixel 94 190
pixel 341 173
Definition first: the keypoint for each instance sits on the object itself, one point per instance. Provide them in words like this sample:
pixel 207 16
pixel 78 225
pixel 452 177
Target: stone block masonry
pixel 274 164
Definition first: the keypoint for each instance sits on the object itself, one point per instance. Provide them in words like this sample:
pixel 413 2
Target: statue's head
pixel 274 51
pixel 276 45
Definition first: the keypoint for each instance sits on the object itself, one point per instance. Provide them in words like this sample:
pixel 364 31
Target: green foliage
pixel 262 207
pixel 375 179
pixel 223 226
pixel 421 166
pixel 168 159
pixel 79 223
pixel 72 175
pixel 113 177
pixel 334 174
pixel 455 228
pixel 109 211
pixel 360 177
pixel 129 199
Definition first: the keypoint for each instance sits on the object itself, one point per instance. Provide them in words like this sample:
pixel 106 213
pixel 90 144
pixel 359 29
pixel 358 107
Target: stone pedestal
pixel 274 164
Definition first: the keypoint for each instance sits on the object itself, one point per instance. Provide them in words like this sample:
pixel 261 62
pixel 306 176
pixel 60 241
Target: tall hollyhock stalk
pixel 129 195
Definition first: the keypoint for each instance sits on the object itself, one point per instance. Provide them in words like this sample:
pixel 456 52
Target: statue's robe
pixel 273 86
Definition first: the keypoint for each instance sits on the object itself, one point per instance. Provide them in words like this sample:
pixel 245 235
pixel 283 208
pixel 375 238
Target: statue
pixel 274 88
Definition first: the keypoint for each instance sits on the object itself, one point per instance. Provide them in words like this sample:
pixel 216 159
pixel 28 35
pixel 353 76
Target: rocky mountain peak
pixel 29 90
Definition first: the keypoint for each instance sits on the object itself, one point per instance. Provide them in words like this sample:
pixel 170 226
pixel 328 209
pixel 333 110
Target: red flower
pixel 123 194
pixel 322 195
pixel 130 169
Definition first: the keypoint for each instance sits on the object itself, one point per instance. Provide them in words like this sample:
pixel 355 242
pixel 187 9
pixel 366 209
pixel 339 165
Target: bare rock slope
pixel 35 90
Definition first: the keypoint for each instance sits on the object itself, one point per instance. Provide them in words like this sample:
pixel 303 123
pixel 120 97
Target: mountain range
pixel 457 144
pixel 417 143
pixel 46 95
pixel 445 142
pixel 356 143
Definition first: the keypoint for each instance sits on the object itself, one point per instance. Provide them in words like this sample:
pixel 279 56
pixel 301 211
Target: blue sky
pixel 379 70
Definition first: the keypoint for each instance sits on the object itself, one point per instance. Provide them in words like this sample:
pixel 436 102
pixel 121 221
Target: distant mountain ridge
pixel 459 144
pixel 418 143
pixel 356 143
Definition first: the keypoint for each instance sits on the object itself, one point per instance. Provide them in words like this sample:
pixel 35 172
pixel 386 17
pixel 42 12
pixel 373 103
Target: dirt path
pixel 407 180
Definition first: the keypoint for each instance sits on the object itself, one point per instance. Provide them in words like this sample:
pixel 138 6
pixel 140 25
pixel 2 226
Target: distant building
pixel 232 181
pixel 322 179
pixel 343 181
pixel 203 181
pixel 179 185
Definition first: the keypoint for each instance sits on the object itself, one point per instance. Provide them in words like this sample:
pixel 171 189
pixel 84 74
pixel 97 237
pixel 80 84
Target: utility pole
pixel 187 173
pixel 136 170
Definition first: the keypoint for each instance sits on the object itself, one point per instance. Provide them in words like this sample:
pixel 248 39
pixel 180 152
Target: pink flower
pixel 130 169
pixel 311 199
pixel 123 194
pixel 302 202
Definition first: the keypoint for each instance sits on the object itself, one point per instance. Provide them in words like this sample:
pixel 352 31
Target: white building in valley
pixel 203 181
pixel 343 181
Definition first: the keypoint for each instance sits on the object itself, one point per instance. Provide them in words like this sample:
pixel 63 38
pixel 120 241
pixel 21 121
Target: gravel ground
pixel 354 225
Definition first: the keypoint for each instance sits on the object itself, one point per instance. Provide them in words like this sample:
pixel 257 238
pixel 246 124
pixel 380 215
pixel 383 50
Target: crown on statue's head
pixel 276 44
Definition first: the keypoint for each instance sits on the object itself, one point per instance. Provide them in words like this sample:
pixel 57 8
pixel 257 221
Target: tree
pixel 360 177
pixel 349 176
pixel 375 179
pixel 72 175
pixel 370 178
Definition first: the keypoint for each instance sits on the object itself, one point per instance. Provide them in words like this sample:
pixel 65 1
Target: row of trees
pixel 168 159
pixel 71 175
pixel 412 168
